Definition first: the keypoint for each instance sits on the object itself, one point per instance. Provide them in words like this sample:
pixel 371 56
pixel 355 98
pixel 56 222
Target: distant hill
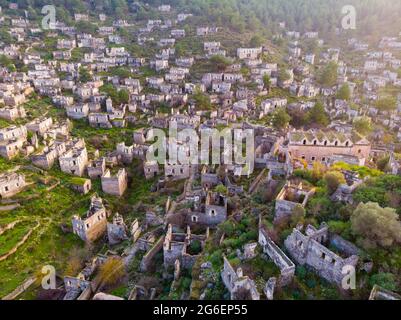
pixel 374 17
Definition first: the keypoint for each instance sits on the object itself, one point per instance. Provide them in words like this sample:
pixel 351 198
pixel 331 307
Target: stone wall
pixel 74 287
pixel 286 266
pixel 74 161
pixel 309 250
pixel 115 185
pixel 236 282
pixel 116 231
pixel 94 224
pixel 323 153
pixel 173 247
pixel 148 257
pixel 289 197
pixel 11 184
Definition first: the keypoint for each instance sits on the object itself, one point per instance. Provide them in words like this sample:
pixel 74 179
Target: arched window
pixel 314 142
pixel 304 142
pixel 347 144
pixel 325 142
pixel 336 143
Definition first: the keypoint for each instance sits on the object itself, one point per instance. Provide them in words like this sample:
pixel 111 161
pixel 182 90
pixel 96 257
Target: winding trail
pixel 20 243
pixel 8 226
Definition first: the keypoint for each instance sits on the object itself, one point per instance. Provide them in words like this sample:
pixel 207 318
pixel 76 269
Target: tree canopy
pixel 280 119
pixel 328 76
pixel 344 93
pixel 363 125
pixel 377 226
pixel 317 116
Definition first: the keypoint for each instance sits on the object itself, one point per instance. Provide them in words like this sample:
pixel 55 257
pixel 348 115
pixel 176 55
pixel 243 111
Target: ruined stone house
pixel 239 286
pixel 39 125
pixel 140 136
pixel 77 111
pixel 74 287
pixel 177 246
pixel 308 249
pixel 93 224
pixel 322 146
pixel 209 180
pixel 13 132
pixel 47 157
pixel 126 152
pixel 248 53
pixel 176 171
pixel 74 161
pixel 286 266
pixel 150 169
pixel 99 120
pixel 11 184
pixel 96 168
pixel 81 185
pixel 289 197
pixel 212 213
pixel 11 148
pixel 12 113
pixel 117 230
pixel 115 185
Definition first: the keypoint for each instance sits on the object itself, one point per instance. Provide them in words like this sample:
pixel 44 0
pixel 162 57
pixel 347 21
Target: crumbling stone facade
pixel 289 197
pixel 11 184
pixel 176 247
pixel 12 113
pixel 11 148
pixel 174 172
pixel 74 287
pixel 117 231
pixel 13 132
pixel 96 168
pixel 126 152
pixel 318 146
pixel 40 125
pixel 248 53
pixel 150 169
pixel 270 287
pixel 212 213
pixel 93 224
pixel 208 179
pixel 12 141
pixel 308 249
pixel 49 155
pixel 236 282
pixel 115 185
pixel 286 266
pixel 74 161
pixel 379 293
pixel 81 185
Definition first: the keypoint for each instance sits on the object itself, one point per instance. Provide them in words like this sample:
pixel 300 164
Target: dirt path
pixel 8 227
pixel 10 207
pixel 19 244
pixel 20 289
